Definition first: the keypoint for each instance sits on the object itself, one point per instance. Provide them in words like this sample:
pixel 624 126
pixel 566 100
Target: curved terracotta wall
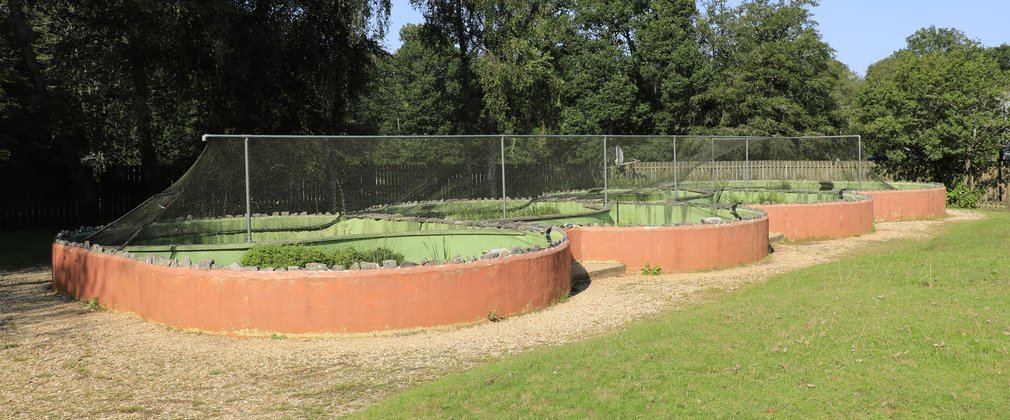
pixel 893 205
pixel 827 220
pixel 672 248
pixel 315 301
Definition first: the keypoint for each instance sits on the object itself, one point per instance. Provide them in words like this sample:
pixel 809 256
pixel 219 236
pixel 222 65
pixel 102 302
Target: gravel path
pixel 59 358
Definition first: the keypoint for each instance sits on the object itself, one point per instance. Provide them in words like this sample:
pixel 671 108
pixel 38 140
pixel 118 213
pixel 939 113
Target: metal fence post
pixel 675 175
pixel 859 161
pixel 746 161
pixel 504 200
pixel 712 172
pixel 248 200
pixel 605 191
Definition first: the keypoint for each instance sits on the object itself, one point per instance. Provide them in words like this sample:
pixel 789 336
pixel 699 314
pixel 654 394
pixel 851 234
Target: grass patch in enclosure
pixel 913 329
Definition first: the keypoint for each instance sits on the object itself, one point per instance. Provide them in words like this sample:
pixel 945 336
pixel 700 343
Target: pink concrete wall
pixel 830 220
pixel 894 205
pixel 673 248
pixel 315 301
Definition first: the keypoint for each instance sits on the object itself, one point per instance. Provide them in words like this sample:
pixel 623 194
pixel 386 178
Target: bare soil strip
pixel 59 358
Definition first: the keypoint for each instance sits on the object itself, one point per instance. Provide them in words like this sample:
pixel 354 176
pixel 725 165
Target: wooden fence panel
pixel 50 199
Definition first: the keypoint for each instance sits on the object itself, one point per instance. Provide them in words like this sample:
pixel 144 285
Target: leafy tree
pixel 938 40
pixel 459 23
pixel 136 82
pixel 518 67
pixel 936 113
pixel 773 73
pixel 1002 56
pixel 671 66
pixel 415 91
pixel 631 67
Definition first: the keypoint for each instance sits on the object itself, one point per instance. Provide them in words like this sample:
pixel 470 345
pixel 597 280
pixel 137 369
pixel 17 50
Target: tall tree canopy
pixel 136 82
pixel 936 109
pixel 773 73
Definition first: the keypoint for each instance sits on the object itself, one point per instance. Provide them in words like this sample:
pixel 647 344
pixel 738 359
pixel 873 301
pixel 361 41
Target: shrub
pixel 348 256
pixel 282 256
pixel 651 270
pixel 963 197
pixel 770 197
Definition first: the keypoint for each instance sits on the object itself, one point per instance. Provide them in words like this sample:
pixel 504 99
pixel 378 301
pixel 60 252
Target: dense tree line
pixel 938 109
pixel 85 85
pixel 91 84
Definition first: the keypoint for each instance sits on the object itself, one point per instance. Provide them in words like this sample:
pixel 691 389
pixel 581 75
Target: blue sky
pixel 860 31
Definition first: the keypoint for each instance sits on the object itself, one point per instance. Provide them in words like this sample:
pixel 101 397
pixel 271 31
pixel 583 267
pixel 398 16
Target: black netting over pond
pixel 260 183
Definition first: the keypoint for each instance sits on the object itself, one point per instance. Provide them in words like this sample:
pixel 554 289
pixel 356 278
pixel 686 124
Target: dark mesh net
pixel 333 177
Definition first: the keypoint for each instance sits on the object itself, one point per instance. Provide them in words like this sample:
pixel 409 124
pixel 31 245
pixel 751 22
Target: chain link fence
pixel 240 181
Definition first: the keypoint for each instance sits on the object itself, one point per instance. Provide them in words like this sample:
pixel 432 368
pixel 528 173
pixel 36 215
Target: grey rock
pixel 339 267
pixel 369 266
pixel 267 269
pixel 294 268
pixel 250 268
pixel 355 266
pixel 275 214
pixel 205 264
pixel 407 264
pixel 389 264
pixel 234 266
pixel 185 262
pixel 285 213
pixel 502 252
pixel 712 221
pixel 315 266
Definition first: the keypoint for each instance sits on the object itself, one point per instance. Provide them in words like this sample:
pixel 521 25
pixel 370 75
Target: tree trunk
pixel 31 61
pixel 465 83
pixel 969 178
pixel 137 61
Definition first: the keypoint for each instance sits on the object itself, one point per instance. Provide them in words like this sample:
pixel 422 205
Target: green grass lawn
pixel 27 248
pixel 910 329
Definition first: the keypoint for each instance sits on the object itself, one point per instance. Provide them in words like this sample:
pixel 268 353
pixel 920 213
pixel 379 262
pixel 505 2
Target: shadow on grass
pixel 25 249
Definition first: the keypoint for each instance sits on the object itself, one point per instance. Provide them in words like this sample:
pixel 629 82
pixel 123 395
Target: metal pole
pixel 675 176
pixel 504 209
pixel 248 200
pixel 746 161
pixel 859 161
pixel 712 172
pixel 605 191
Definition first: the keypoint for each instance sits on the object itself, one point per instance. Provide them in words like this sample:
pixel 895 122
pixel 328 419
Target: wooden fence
pixel 51 199
pixel 754 170
pixel 994 190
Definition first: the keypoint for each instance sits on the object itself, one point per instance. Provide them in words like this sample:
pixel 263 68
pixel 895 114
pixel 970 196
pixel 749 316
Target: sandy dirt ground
pixel 60 358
